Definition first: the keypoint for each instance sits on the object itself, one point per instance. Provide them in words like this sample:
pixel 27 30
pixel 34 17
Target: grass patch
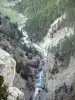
pixel 5 10
pixel 13 15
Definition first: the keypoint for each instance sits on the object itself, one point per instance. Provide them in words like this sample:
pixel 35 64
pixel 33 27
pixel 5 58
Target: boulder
pixel 7 67
pixel 7 70
pixel 15 93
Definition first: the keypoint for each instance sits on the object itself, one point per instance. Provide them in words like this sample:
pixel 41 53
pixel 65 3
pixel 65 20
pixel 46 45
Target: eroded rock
pixel 7 67
pixel 14 93
pixel 7 70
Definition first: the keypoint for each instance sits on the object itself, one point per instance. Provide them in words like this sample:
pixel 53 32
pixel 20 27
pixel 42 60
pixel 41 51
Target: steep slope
pixel 41 14
pixel 7 70
pixel 13 15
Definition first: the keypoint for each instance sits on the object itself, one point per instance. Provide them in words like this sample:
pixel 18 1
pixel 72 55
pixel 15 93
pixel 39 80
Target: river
pixel 41 75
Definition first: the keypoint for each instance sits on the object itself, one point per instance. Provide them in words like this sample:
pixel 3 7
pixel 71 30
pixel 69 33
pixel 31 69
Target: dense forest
pixel 42 13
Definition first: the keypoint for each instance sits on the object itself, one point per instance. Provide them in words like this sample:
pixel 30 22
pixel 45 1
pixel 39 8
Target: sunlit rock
pixel 65 75
pixel 15 93
pixel 7 67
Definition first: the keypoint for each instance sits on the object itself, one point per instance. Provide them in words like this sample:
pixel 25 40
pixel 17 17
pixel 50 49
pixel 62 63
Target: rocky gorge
pixel 20 58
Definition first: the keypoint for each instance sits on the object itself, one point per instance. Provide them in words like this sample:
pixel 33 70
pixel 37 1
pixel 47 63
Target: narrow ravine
pixel 40 77
pixel 28 43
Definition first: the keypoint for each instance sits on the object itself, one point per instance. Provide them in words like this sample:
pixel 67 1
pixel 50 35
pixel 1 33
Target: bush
pixel 30 49
pixel 17 98
pixel 19 64
pixel 41 14
pixel 19 34
pixel 54 71
pixel 3 89
pixel 3 93
pixel 6 17
pixel 15 25
pixel 21 54
pixel 5 47
pixel 1 80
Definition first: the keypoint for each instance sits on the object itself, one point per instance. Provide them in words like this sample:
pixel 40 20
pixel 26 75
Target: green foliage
pixel 15 32
pixel 66 46
pixel 11 14
pixel 3 93
pixel 41 13
pixel 17 98
pixel 3 89
pixel 31 49
pixel 8 18
pixel 19 64
pixel 69 7
pixel 11 0
pixel 1 80
pixel 15 25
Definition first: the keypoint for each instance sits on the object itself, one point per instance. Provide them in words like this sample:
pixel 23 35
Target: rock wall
pixel 58 30
pixel 7 70
pixel 10 47
pixel 7 67
pixel 64 76
pixel 60 72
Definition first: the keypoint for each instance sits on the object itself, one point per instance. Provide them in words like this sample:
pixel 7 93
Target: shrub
pixel 17 98
pixel 54 71
pixel 1 80
pixel 15 25
pixel 5 47
pixel 30 49
pixel 20 34
pixel 3 93
pixel 3 89
pixel 0 20
pixel 21 54
pixel 6 17
pixel 19 64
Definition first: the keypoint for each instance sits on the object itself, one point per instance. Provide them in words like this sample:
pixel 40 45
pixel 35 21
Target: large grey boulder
pixel 7 67
pixel 14 93
pixel 7 70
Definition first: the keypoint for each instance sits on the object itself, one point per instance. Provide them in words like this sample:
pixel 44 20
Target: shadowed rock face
pixel 10 42
pixel 26 70
pixel 65 92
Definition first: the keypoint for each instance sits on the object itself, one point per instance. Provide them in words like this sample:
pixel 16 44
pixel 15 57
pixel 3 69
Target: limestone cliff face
pixel 60 70
pixel 57 31
pixel 7 67
pixel 7 70
pixel 64 76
